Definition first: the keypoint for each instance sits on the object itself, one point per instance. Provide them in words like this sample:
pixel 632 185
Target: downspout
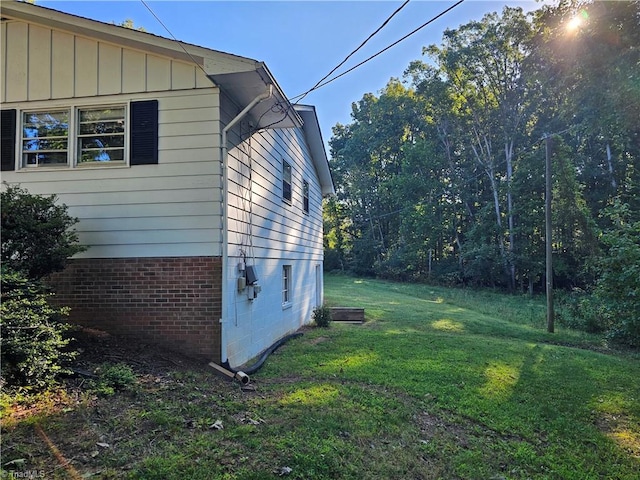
pixel 225 219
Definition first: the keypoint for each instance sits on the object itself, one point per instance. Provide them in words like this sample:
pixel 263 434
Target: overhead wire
pixel 321 83
pixel 384 24
pixel 173 37
pixel 428 22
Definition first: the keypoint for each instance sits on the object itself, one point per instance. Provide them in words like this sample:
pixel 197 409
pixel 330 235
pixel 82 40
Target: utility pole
pixel 548 243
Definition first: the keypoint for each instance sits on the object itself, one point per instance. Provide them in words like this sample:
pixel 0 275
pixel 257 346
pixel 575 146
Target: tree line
pixel 441 175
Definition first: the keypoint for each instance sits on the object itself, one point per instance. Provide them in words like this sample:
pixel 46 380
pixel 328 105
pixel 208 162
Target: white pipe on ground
pixel 242 377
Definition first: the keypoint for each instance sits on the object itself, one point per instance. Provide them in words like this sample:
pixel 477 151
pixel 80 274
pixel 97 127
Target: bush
pixel 112 377
pixel 581 310
pixel 36 233
pixel 36 241
pixel 618 287
pixel 322 316
pixel 32 333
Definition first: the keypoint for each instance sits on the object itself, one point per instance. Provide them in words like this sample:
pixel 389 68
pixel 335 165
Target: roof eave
pixel 313 135
pixel 274 112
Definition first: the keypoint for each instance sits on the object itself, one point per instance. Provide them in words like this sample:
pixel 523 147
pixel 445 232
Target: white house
pixel 197 184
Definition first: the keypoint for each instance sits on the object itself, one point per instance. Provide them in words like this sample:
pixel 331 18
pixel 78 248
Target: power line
pixel 444 12
pixel 384 24
pixel 173 37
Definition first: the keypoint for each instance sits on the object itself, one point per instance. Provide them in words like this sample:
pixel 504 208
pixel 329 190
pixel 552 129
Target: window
pixel 45 138
pixel 286 181
pixel 100 135
pixel 286 285
pixel 305 196
pixel 81 135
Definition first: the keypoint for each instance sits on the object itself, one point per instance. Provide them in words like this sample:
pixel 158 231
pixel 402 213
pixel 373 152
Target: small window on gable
pixel 305 196
pixel 45 138
pixel 286 285
pixel 286 181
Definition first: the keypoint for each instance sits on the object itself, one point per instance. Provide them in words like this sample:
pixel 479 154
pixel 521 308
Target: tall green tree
pixel 482 62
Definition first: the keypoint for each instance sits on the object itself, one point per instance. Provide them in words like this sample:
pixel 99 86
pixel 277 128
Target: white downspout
pixel 225 217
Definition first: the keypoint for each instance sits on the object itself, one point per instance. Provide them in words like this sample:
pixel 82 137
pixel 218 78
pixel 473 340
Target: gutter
pixel 225 219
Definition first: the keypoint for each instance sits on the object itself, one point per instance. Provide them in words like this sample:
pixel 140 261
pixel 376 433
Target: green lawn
pixel 437 383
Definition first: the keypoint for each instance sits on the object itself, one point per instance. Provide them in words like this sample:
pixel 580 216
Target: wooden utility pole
pixel 548 243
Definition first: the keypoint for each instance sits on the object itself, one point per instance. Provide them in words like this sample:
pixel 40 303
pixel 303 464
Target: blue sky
pixel 301 41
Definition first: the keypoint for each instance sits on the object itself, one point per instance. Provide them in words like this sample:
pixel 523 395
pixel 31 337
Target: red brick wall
pixel 174 302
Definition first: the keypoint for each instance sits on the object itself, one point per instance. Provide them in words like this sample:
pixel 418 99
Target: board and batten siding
pixel 165 210
pixel 41 63
pixel 270 233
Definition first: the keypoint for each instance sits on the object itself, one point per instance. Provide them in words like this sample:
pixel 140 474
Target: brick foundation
pixel 174 302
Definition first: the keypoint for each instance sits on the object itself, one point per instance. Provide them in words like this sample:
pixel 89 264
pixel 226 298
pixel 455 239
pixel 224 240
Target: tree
pixel 128 23
pixel 444 172
pixel 482 63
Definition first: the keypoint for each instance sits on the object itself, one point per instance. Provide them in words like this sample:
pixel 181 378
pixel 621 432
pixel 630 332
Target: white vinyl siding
pixel 169 209
pixel 272 233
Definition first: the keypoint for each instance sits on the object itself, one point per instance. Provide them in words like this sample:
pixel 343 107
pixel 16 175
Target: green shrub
pixel 581 310
pixel 32 333
pixel 36 241
pixel 618 288
pixel 321 316
pixel 113 377
pixel 37 238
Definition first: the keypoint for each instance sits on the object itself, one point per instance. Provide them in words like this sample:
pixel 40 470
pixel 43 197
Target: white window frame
pixel 78 136
pixel 73 137
pixel 286 286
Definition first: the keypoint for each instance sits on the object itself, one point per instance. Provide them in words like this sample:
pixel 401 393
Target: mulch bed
pixel 96 347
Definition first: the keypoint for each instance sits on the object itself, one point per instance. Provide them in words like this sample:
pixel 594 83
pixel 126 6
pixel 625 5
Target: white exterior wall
pixel 271 233
pixel 169 209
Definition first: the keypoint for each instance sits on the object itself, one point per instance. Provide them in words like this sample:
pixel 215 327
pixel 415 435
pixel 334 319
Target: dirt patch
pixel 619 428
pixel 96 347
pixel 318 340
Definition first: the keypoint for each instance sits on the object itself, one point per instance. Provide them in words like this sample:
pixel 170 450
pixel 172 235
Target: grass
pixel 438 383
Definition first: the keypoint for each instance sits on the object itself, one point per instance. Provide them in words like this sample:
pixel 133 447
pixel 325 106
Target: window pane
pixel 44 158
pixel 101 155
pixel 45 138
pixel 101 127
pixel 103 141
pixel 101 114
pixel 45 124
pixel 305 196
pixel 59 143
pixel 286 181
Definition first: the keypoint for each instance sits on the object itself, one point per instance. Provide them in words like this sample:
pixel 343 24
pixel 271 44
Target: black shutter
pixel 144 133
pixel 8 140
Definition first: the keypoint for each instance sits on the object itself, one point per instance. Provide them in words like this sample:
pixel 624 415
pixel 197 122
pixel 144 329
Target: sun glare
pixel 574 24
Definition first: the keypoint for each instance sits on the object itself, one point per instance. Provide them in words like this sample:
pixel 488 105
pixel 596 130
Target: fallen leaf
pixel 285 471
pixel 217 425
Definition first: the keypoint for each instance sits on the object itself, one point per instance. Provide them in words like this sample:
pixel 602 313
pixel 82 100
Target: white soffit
pixel 243 87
